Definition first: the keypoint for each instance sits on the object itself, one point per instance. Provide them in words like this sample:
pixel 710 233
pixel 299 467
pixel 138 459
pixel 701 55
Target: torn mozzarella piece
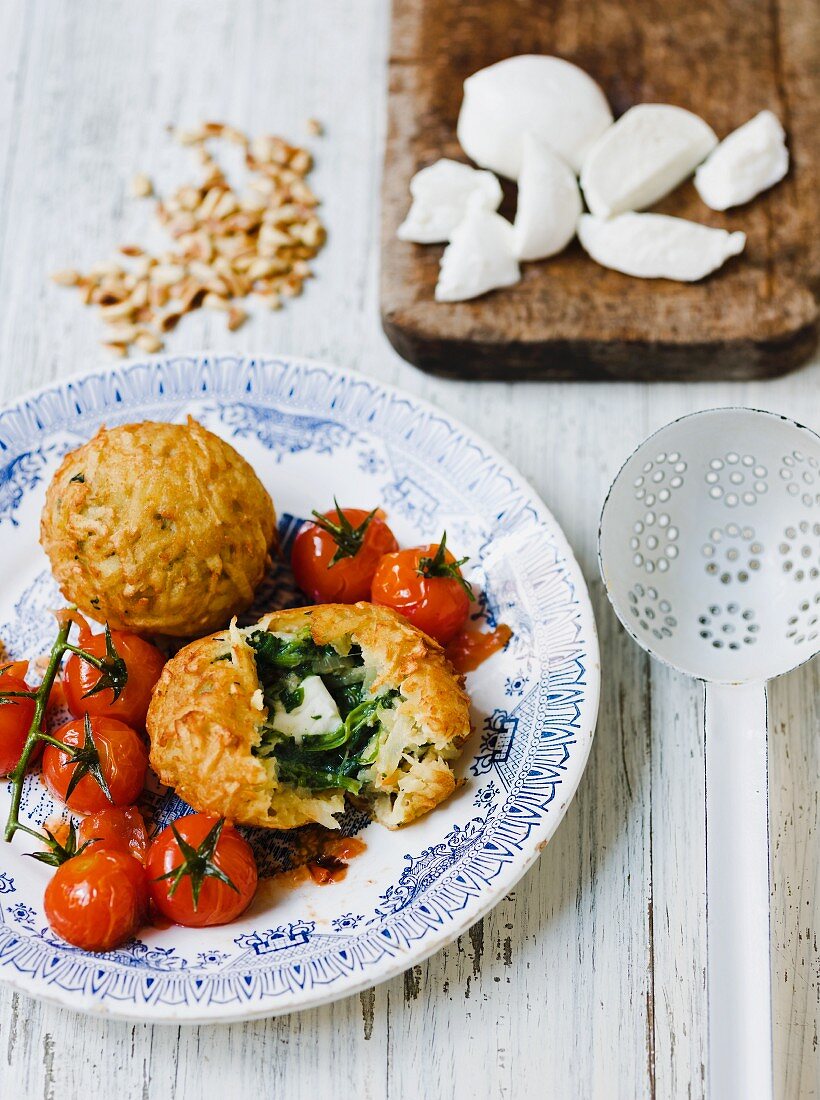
pixel 654 246
pixel 550 98
pixel 748 161
pixel 315 715
pixel 441 194
pixel 549 202
pixel 479 257
pixel 642 157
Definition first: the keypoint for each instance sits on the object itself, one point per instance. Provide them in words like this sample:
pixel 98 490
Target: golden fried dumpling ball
pixel 158 528
pixel 272 724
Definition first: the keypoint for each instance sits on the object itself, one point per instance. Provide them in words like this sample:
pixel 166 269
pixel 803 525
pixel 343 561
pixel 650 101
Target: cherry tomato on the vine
pixel 18 669
pixel 119 828
pixel 104 766
pixel 16 716
pixel 335 555
pixel 425 585
pixel 85 686
pixel 98 899
pixel 201 871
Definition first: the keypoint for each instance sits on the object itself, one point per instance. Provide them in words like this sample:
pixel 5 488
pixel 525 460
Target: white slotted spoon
pixel 709 548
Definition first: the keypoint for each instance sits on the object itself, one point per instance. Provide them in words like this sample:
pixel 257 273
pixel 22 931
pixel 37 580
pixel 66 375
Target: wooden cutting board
pixel 568 318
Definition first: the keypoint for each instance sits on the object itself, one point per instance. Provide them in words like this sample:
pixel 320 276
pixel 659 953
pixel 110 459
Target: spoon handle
pixel 737 893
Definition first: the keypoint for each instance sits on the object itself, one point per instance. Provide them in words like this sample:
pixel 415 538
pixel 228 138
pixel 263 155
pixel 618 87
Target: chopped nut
pixel 311 233
pixel 215 301
pixel 139 295
pixel 208 204
pixel 105 267
pixel 144 265
pixel 182 223
pixel 223 247
pixel 188 198
pixel 102 297
pixel 199 246
pixel 214 178
pixel 200 271
pixel 218 286
pixel 119 311
pixel 225 206
pixel 264 185
pixel 230 133
pixel 192 297
pixel 167 274
pixel 122 334
pixel 120 350
pixel 303 194
pixel 261 149
pixel 252 204
pixel 141 186
pixel 236 318
pixel 170 321
pixel 191 137
pixel 260 269
pixel 315 127
pixel 301 161
pixel 67 277
pixel 158 296
pixel 292 288
pixel 149 341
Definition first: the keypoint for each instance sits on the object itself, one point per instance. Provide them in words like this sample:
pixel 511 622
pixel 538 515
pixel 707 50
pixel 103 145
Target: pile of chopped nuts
pixel 225 245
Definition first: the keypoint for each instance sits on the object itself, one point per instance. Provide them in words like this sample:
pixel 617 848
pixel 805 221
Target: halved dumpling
pixel 272 724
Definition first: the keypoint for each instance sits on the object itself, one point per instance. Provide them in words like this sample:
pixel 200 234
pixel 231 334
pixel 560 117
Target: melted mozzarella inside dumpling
pixel 317 713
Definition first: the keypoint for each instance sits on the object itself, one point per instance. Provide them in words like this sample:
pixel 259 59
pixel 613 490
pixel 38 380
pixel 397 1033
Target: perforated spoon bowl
pixel 709 548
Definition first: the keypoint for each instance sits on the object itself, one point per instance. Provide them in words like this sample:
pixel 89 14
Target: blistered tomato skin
pixel 123 761
pixel 348 580
pixel 143 662
pixel 438 605
pixel 16 716
pixel 97 900
pixel 119 828
pixel 218 903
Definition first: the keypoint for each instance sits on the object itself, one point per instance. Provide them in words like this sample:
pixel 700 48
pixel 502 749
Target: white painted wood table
pixel 588 981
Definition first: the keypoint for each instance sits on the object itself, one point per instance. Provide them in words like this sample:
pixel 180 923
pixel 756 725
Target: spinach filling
pixel 330 760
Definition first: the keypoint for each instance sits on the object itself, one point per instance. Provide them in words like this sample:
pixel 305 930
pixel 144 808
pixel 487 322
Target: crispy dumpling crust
pixel 403 656
pixel 158 528
pixel 206 716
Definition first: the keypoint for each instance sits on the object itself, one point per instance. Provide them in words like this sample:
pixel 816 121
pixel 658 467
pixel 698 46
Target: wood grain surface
pixel 568 317
pixel 588 981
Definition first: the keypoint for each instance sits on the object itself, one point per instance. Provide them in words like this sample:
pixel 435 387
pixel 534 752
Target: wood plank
pixel 794 783
pixel 568 317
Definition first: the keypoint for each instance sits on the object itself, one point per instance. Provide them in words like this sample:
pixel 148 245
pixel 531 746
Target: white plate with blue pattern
pixel 312 431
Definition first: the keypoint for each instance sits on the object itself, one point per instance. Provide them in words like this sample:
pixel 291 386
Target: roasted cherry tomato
pixel 425 585
pixel 104 766
pixel 86 687
pixel 335 556
pixel 98 899
pixel 119 828
pixel 201 871
pixel 16 715
pixel 18 669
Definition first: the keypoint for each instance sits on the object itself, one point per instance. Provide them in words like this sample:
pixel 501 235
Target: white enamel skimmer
pixel 709 548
